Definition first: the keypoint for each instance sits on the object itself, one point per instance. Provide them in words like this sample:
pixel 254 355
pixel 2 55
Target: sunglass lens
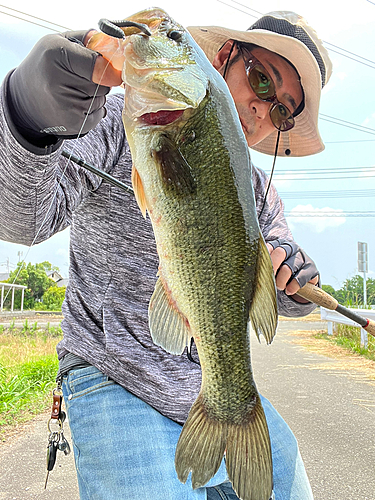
pixel 261 82
pixel 281 117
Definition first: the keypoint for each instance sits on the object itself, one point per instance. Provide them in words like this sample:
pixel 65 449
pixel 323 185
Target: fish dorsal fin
pixel 175 170
pixel 139 191
pixel 168 326
pixel 263 311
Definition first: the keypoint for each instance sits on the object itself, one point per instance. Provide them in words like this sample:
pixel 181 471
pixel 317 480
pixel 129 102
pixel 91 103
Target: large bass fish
pixel 192 174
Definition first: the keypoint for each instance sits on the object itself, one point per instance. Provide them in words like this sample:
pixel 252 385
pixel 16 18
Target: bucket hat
pixel 289 35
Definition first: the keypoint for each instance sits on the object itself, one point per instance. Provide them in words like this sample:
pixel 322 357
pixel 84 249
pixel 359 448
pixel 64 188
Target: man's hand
pixel 103 73
pixel 54 91
pixel 293 268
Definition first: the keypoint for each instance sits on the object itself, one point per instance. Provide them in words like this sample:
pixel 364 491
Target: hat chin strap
pixel 272 170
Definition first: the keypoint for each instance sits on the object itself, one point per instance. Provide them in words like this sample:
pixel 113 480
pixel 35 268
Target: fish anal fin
pixel 139 191
pixel 203 441
pixel 263 310
pixel 168 326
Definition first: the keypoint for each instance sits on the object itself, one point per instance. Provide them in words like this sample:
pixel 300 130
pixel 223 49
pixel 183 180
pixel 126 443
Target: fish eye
pixel 175 35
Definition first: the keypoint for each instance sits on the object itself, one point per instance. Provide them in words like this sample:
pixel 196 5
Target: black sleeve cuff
pixel 42 146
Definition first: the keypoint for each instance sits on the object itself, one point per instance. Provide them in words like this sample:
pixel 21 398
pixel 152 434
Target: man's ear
pixel 222 55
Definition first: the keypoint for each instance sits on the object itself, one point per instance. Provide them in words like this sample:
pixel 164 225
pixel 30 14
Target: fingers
pixel 105 74
pixel 293 287
pixel 278 255
pixel 293 268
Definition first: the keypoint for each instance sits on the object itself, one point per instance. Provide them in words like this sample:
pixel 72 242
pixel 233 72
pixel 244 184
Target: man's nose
pixel 259 108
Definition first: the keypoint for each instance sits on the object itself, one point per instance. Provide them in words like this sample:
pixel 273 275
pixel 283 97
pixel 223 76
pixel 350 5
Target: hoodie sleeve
pixel 273 225
pixel 39 188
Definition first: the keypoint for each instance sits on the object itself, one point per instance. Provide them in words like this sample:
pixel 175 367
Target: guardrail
pixel 334 317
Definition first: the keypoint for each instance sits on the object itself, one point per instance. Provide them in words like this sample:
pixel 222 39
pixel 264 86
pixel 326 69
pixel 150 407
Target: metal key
pixel 51 453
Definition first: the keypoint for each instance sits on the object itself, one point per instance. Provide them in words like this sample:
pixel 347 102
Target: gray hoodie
pixel 113 259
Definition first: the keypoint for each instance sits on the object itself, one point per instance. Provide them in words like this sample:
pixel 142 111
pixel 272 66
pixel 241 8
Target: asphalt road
pixel 328 403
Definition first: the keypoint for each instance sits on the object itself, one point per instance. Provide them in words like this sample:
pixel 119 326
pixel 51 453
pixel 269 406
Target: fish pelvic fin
pixel 168 326
pixel 202 444
pixel 174 169
pixel 263 311
pixel 139 191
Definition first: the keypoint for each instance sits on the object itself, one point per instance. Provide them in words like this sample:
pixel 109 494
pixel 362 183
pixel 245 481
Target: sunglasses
pixel 264 88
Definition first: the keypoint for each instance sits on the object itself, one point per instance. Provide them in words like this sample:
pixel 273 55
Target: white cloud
pixel 314 218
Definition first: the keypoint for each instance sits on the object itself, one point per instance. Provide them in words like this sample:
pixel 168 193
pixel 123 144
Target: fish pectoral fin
pixel 204 439
pixel 174 169
pixel 168 326
pixel 139 191
pixel 263 310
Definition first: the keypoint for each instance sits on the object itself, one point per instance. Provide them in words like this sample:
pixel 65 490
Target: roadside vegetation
pixel 349 337
pixel 351 292
pixel 28 367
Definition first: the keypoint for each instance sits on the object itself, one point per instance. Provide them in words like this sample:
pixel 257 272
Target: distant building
pixel 54 275
pixel 4 276
pixel 57 278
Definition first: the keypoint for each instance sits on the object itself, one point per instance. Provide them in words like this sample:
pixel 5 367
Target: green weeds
pixel 28 367
pixel 349 337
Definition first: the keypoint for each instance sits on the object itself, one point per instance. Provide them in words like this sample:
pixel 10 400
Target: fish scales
pixel 192 174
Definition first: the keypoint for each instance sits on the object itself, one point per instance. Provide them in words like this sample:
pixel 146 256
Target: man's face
pixel 253 112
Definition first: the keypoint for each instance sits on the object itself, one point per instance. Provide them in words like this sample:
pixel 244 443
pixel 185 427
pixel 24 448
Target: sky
pixel 339 180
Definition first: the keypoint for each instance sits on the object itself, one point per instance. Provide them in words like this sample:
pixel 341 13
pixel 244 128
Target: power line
pixel 352 53
pixel 31 22
pixel 372 66
pixel 347 126
pixel 326 170
pixel 321 178
pixel 239 10
pixel 345 121
pixel 329 214
pixel 344 142
pixel 35 17
pixel 337 121
pixel 328 43
pixel 349 193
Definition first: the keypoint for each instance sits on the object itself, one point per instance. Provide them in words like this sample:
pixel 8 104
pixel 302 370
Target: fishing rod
pixel 319 297
pixel 98 172
pixel 309 292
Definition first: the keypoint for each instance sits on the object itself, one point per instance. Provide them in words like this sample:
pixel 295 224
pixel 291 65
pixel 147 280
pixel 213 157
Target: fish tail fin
pixel 249 457
pixel 263 311
pixel 202 444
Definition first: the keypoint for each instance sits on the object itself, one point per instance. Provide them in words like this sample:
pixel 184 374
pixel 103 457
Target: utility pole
pixel 363 266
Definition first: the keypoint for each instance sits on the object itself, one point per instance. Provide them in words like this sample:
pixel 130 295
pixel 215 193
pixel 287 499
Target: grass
pixel 349 337
pixel 28 367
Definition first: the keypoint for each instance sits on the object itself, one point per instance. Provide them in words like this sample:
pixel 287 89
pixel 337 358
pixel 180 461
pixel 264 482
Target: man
pixel 127 398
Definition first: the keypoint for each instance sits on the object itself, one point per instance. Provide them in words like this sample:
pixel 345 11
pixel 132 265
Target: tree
pixel 35 278
pixel 330 290
pixel 54 297
pixel 351 292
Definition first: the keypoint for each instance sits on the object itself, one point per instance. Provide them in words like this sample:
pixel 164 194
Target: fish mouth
pixel 162 117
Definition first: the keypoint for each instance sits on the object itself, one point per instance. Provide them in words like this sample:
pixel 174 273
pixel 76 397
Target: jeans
pixel 124 449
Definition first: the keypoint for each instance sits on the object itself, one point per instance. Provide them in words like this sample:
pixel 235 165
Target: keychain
pixel 56 439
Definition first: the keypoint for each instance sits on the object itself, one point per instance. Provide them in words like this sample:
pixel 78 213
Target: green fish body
pixel 192 174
